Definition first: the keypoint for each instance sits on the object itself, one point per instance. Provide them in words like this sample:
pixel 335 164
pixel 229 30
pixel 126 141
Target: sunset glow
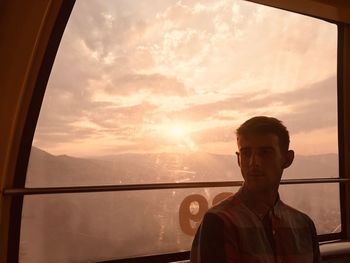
pixel 178 131
pixel 151 76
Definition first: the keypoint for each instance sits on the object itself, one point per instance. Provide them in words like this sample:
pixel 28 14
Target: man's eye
pixel 265 152
pixel 245 153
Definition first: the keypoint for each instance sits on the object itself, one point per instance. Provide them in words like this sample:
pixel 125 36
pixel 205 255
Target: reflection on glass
pixel 101 226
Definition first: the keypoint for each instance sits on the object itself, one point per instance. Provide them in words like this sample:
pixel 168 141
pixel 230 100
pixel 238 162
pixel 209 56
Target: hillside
pixel 46 169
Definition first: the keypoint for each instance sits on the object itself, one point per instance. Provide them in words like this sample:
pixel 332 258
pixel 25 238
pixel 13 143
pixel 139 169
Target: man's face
pixel 261 161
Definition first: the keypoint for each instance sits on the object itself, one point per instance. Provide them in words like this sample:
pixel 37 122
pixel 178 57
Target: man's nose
pixel 255 159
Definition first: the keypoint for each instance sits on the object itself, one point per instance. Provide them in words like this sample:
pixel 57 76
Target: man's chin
pixel 255 175
pixel 257 184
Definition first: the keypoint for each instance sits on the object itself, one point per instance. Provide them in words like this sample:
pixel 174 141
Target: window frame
pixel 18 190
pixel 55 35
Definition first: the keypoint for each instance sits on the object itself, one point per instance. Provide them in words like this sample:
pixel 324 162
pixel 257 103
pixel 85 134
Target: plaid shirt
pixel 243 230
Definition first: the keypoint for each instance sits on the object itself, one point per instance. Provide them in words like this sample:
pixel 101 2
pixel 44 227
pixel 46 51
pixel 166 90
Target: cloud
pixel 151 83
pixel 98 119
pixel 213 135
pixel 311 108
pixel 125 68
pixel 297 108
pixel 304 110
pixel 105 27
pixel 124 116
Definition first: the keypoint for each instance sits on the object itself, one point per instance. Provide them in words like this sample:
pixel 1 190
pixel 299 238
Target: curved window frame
pixel 18 190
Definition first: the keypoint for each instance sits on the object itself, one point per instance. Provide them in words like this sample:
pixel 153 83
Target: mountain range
pixel 45 169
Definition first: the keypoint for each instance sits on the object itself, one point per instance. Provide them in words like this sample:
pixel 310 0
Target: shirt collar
pixel 259 208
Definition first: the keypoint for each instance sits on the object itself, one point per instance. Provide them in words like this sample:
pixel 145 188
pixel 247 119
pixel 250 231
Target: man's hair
pixel 261 125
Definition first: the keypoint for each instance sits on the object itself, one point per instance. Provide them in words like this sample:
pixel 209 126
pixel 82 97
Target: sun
pixel 178 131
pixel 173 130
pixel 178 136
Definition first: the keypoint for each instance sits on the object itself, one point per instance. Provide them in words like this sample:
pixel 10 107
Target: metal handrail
pixel 156 186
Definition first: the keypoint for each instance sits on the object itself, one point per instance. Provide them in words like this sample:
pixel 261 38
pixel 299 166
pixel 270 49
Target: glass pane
pixel 319 201
pixel 92 227
pixel 100 226
pixel 152 91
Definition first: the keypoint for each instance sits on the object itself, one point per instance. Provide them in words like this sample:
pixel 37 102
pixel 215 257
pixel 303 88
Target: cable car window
pixel 310 198
pixel 68 227
pixel 145 92
pixel 92 227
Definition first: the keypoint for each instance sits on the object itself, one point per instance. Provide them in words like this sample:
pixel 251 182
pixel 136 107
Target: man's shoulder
pixel 291 212
pixel 228 206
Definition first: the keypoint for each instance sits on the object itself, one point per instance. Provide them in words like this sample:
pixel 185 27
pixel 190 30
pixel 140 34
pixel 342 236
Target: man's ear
pixel 289 159
pixel 238 159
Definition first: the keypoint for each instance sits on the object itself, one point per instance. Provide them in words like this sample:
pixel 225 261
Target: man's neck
pixel 268 197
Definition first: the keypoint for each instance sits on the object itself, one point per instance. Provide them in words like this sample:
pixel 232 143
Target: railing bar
pixel 115 188
pixel 315 180
pixel 158 186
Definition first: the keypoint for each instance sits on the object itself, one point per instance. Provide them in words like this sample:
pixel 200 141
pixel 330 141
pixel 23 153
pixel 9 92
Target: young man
pixel 254 225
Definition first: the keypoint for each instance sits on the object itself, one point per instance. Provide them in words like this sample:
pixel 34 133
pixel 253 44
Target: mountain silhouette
pixel 45 169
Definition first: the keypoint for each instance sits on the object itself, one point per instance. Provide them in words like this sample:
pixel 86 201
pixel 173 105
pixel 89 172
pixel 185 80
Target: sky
pixel 181 76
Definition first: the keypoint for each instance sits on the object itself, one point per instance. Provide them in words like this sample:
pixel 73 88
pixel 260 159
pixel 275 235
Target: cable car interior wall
pixel 118 120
